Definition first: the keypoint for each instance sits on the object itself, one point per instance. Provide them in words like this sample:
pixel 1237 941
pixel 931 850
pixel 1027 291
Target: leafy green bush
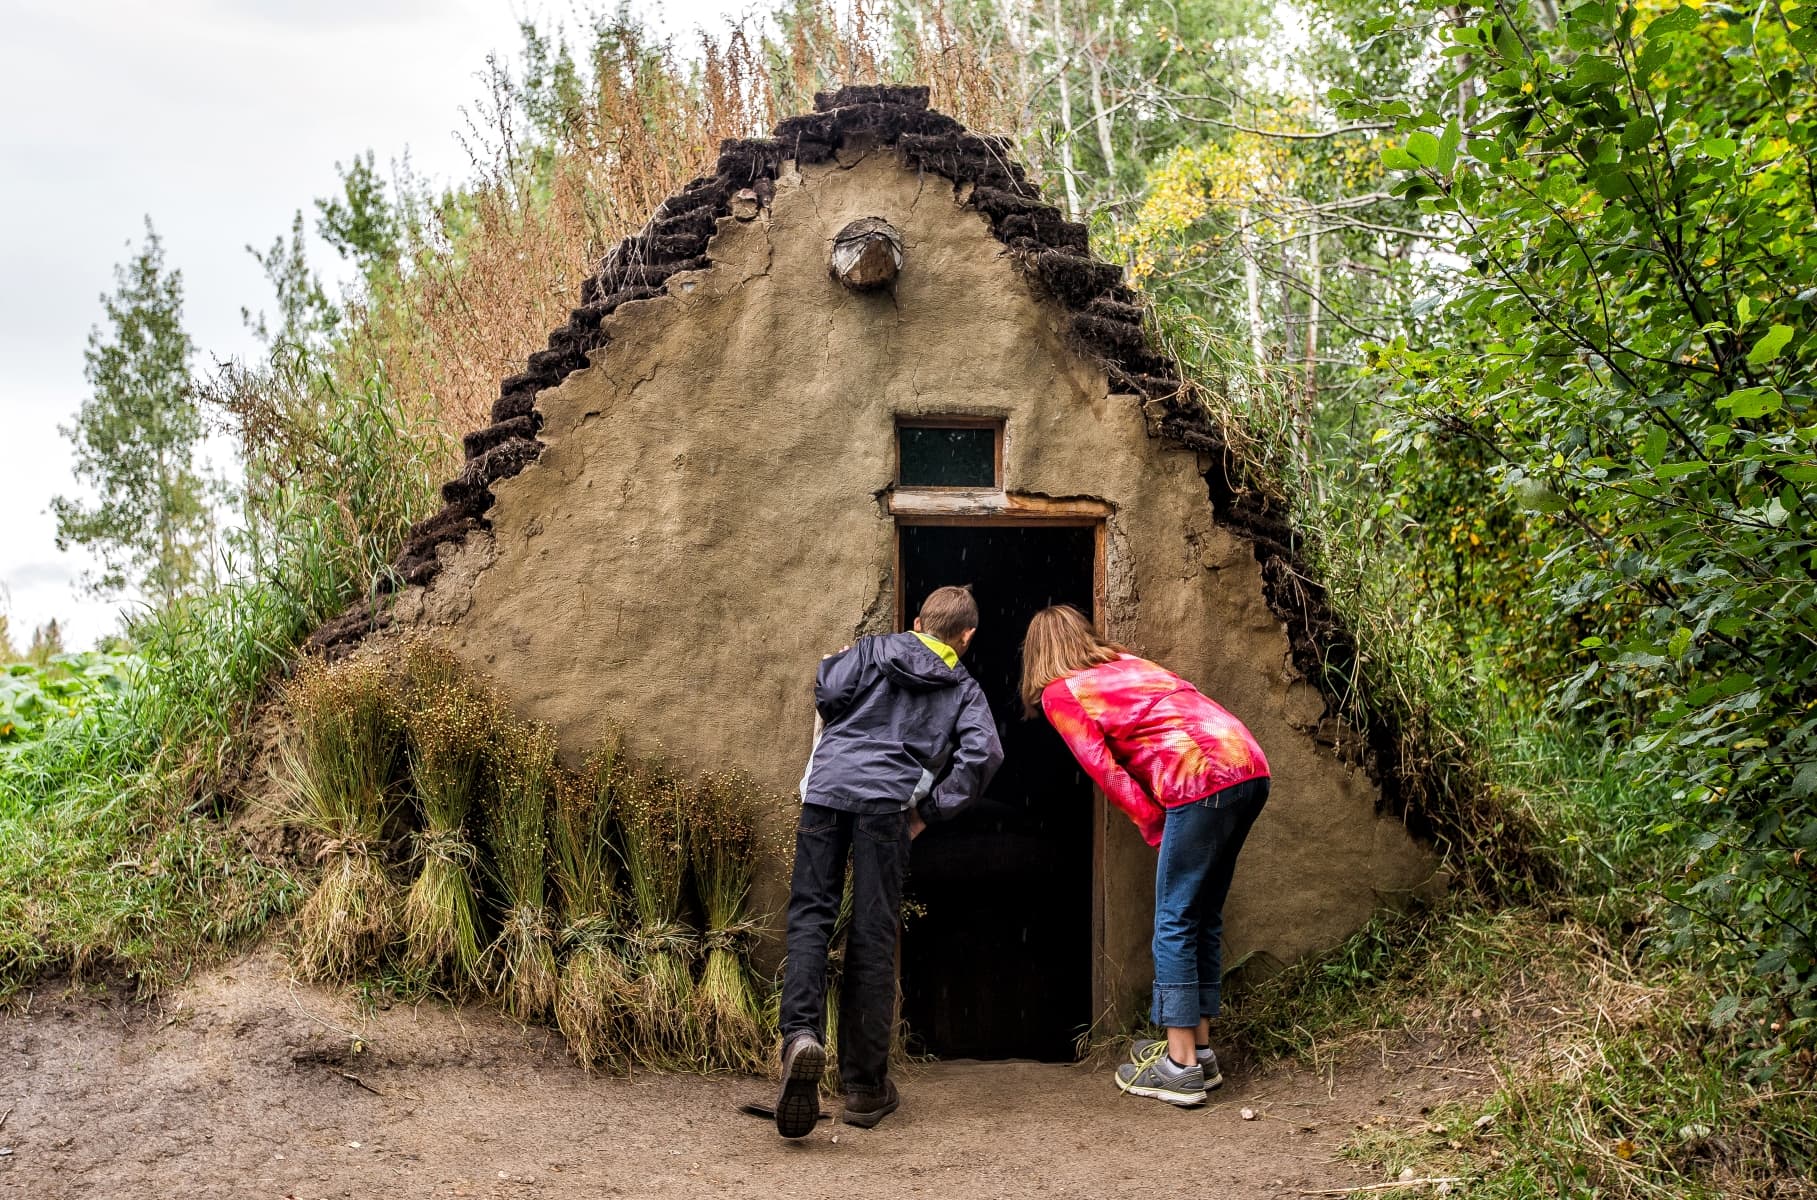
pixel 113 860
pixel 1636 192
pixel 32 698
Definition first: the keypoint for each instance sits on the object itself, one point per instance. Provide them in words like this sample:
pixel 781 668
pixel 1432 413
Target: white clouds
pixel 219 118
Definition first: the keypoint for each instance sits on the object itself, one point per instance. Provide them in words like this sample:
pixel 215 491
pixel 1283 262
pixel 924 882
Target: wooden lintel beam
pixel 990 503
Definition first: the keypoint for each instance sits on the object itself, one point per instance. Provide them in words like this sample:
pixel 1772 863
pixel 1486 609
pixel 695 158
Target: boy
pixel 908 739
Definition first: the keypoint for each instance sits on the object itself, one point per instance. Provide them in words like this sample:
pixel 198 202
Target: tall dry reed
pixel 568 159
pixel 725 848
pixel 666 1029
pixel 520 964
pixel 337 775
pixel 596 996
pixel 451 726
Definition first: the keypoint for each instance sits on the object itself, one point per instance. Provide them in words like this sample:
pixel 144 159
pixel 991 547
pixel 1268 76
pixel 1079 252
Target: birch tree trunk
pixel 1101 117
pixel 1252 287
pixel 1063 61
pixel 1314 307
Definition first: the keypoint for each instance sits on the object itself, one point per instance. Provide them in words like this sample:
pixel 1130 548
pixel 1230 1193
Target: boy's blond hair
pixel 948 612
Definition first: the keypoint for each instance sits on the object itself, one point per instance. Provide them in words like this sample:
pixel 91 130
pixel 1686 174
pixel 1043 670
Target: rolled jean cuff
pixel 1208 1001
pixel 1176 1005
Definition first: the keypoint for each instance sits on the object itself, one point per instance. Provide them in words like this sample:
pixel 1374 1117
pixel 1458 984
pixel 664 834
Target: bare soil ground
pixel 245 1084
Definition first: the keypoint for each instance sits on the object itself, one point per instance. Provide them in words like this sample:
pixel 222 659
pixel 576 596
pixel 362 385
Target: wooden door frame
pixel 957 507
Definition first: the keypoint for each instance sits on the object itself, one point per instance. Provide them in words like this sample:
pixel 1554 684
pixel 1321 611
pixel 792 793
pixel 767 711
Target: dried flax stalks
pixel 665 1029
pixel 595 997
pixel 724 848
pixel 520 964
pixel 337 776
pixel 835 983
pixel 449 734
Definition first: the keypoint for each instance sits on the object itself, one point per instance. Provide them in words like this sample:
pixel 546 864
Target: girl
pixel 1193 780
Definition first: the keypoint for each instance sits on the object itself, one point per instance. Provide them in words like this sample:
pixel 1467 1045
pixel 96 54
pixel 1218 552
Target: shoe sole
pixel 1177 1099
pixel 798 1104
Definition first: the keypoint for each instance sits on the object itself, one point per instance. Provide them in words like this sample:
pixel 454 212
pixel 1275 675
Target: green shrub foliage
pixel 1635 192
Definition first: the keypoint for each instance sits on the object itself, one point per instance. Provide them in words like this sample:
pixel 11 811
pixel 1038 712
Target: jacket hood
pixel 911 665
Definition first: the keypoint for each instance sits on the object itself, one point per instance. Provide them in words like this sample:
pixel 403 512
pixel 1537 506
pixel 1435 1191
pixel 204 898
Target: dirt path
pixel 245 1085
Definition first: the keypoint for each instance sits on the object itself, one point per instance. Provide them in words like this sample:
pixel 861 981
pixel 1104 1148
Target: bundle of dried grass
pixel 724 847
pixel 520 964
pixel 337 774
pixel 665 1028
pixel 835 979
pixel 452 725
pixel 596 995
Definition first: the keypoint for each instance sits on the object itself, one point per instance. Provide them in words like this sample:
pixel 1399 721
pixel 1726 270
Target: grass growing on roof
pixel 338 777
pixel 595 995
pixel 520 963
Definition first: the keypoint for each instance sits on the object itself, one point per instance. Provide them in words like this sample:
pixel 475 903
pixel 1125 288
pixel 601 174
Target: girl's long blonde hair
pixel 1060 641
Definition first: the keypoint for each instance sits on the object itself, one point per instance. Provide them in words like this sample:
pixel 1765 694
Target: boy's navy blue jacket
pixel 902 730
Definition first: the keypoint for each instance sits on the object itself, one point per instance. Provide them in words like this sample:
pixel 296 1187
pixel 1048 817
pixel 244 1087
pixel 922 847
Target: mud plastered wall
pixel 710 516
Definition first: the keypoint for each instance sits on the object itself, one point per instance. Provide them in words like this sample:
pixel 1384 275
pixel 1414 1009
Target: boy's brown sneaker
pixel 866 1109
pixel 798 1103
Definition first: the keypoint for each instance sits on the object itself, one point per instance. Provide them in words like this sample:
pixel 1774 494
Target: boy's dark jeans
pixel 877 844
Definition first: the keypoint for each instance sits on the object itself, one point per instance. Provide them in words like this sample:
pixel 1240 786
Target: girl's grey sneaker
pixel 1159 1078
pixel 798 1103
pixel 1141 1052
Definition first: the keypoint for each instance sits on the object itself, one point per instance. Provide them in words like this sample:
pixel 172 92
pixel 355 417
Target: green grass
pixel 104 874
pixel 1609 1079
pixel 118 856
pixel 115 862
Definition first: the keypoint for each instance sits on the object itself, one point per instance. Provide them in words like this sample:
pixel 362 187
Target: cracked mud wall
pixel 709 517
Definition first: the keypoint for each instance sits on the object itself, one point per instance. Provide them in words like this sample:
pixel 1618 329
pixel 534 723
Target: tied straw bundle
pixel 724 848
pixel 595 997
pixel 449 736
pixel 665 1030
pixel 521 961
pixel 337 774
pixel 835 987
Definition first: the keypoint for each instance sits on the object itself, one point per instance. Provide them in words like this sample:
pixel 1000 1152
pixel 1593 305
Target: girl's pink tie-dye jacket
pixel 1151 740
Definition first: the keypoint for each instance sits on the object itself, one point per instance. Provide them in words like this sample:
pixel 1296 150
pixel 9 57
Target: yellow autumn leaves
pixel 1253 181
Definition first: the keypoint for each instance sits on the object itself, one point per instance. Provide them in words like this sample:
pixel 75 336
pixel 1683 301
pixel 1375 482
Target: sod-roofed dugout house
pixel 860 361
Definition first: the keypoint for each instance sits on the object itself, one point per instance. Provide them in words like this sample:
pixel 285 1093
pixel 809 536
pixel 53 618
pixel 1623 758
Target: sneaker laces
pixel 1153 1055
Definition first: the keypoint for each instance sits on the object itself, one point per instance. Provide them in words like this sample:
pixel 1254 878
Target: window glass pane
pixel 947 457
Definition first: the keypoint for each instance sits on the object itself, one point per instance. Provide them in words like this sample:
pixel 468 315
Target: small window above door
pixel 955 452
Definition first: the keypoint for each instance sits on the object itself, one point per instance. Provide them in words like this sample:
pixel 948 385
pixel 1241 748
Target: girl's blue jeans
pixel 1199 846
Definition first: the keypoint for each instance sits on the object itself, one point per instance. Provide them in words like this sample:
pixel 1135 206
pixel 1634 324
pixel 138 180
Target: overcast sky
pixel 218 119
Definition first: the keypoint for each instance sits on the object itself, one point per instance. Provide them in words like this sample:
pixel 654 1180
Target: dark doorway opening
pixel 997 953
